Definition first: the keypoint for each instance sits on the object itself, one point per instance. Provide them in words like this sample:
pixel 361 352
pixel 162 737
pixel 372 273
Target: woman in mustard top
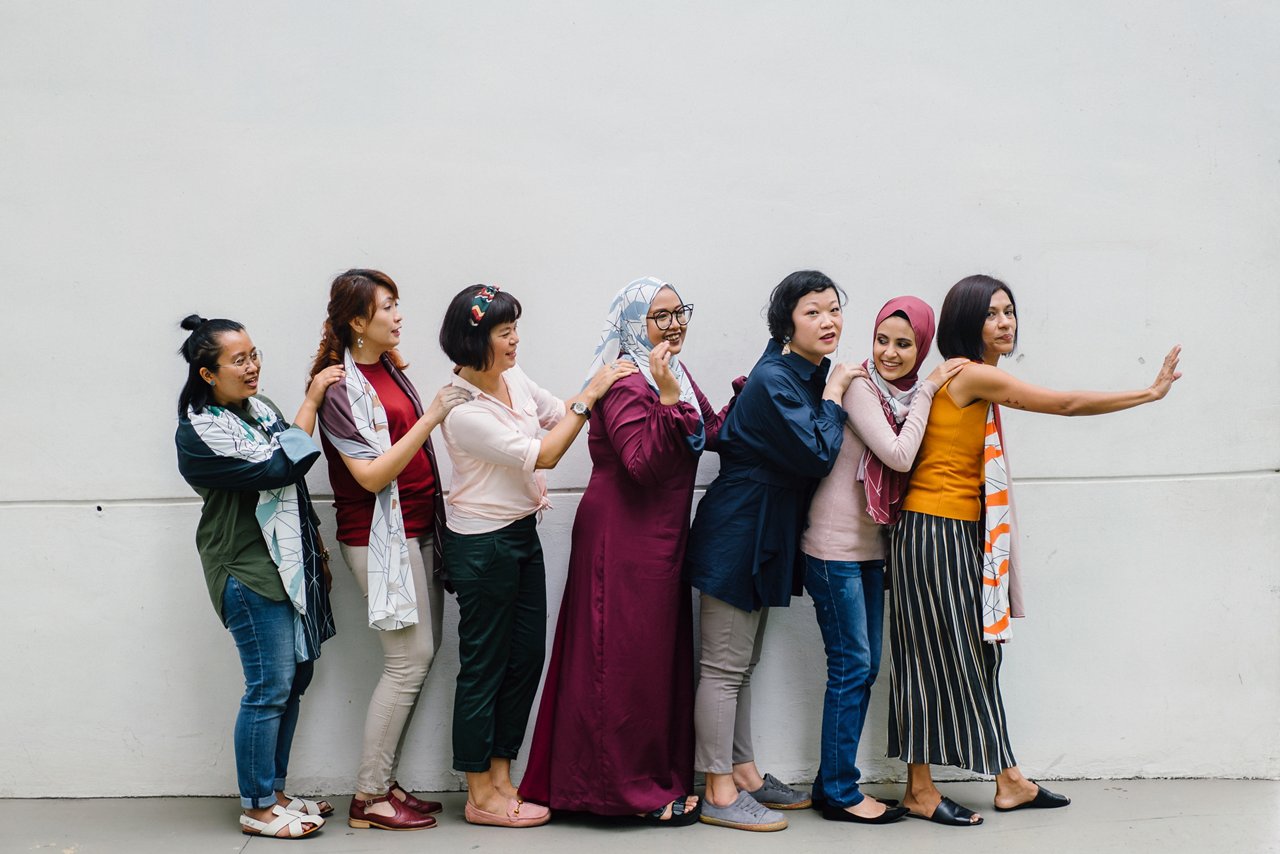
pixel 953 555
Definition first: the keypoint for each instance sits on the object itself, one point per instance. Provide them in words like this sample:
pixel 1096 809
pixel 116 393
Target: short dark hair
pixel 201 350
pixel 964 312
pixel 467 345
pixel 783 299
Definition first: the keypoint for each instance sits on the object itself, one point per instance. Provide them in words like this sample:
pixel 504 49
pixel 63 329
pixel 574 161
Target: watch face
pixel 579 408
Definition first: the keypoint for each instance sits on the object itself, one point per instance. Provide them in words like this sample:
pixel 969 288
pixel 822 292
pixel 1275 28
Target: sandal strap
pixel 285 818
pixel 304 806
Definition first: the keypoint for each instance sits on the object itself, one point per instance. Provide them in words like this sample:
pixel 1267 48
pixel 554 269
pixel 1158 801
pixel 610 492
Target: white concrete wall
pixel 1114 161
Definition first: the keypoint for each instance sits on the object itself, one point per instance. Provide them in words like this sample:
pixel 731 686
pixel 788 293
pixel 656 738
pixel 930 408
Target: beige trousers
pixel 406 659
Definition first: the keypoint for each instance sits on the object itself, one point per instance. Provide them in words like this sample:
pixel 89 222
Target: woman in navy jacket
pixel 780 438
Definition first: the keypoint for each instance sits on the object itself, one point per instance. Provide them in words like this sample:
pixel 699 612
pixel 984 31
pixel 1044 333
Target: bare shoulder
pixel 976 380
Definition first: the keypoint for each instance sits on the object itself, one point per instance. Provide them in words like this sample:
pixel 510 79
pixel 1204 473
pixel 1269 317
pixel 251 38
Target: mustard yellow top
pixel 947 479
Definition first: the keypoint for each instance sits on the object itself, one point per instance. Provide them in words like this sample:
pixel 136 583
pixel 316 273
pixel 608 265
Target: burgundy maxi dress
pixel 614 734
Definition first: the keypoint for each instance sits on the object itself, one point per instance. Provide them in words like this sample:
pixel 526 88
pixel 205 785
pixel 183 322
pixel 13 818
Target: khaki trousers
pixel 406 659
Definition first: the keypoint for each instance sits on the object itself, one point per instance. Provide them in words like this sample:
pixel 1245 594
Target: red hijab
pixel 885 487
pixel 920 316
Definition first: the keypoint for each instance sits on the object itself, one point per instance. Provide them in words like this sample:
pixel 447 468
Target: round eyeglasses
pixel 241 363
pixel 662 319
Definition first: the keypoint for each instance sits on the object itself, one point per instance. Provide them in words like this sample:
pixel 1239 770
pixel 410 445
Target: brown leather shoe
pixel 416 804
pixel 404 818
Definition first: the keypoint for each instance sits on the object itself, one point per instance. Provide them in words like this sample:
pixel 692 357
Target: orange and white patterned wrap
pixel 997 535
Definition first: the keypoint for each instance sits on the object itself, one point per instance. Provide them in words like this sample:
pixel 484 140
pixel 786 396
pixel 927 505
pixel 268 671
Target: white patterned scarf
pixel 278 514
pixel 626 333
pixel 393 602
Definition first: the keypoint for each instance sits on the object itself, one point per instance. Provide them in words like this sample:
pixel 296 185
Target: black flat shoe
pixel 889 816
pixel 678 818
pixel 1044 800
pixel 950 813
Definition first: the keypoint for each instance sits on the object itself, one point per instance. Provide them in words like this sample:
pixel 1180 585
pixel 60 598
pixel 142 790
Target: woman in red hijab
pixel 844 545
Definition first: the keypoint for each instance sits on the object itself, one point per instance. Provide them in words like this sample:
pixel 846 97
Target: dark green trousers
pixel 501 583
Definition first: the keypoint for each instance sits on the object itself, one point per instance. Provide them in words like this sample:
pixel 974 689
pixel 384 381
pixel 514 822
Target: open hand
pixel 322 380
pixel 607 376
pixel 842 374
pixel 1169 373
pixel 445 400
pixel 946 370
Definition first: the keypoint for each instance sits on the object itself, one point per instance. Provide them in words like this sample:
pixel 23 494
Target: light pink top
pixel 839 526
pixel 494 448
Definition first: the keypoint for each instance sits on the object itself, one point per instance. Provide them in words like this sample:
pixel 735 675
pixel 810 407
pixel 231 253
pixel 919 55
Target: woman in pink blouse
pixel 844 545
pixel 498 447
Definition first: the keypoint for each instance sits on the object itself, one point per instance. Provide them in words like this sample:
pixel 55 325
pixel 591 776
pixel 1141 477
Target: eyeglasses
pixel 241 363
pixel 662 319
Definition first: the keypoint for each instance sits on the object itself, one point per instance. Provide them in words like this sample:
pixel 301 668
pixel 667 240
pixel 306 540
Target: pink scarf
pixel 885 487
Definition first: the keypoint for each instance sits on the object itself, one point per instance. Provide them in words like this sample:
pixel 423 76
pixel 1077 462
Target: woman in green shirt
pixel 262 555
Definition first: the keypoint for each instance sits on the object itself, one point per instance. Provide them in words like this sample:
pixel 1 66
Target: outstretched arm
pixel 985 382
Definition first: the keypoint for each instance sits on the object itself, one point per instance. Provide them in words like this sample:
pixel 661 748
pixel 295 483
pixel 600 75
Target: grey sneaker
pixel 746 813
pixel 777 795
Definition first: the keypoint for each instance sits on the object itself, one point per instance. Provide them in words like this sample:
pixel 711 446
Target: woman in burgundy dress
pixel 614 734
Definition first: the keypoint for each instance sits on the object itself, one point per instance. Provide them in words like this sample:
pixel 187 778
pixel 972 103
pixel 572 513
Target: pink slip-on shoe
pixel 518 814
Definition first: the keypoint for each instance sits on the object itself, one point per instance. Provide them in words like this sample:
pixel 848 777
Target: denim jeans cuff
pixel 279 784
pixel 857 799
pixel 258 803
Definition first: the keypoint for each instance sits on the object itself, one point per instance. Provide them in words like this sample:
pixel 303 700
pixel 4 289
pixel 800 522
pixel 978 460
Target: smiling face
pixel 1000 330
pixel 381 331
pixel 666 301
pixel 893 350
pixel 817 321
pixel 503 340
pixel 239 365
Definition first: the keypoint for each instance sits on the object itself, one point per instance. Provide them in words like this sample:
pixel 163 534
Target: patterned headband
pixel 480 302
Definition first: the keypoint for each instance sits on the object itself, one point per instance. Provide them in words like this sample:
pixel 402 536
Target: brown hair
pixel 353 294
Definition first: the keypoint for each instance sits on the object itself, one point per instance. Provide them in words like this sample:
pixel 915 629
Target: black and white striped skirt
pixel 944 687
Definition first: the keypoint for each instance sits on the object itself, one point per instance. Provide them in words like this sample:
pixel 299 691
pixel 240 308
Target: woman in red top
pixel 376 437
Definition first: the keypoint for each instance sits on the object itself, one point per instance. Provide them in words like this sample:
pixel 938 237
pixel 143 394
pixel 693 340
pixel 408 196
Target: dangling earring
pixel 360 342
pixel 786 345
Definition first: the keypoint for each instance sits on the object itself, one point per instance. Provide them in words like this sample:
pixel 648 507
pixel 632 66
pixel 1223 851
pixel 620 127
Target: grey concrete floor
pixel 1129 816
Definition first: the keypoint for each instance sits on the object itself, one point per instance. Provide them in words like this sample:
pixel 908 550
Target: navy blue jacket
pixel 779 440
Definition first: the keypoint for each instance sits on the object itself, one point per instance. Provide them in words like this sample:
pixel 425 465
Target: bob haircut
pixel 467 345
pixel 783 299
pixel 964 312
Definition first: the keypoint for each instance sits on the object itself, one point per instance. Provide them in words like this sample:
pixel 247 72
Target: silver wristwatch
pixel 580 408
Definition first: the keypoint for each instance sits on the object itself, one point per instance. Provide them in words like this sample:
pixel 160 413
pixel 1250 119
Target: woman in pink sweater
pixel 844 545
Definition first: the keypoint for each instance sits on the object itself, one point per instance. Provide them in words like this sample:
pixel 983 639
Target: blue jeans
pixel 848 598
pixel 273 686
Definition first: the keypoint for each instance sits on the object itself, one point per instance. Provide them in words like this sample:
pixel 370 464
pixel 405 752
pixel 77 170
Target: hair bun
pixel 192 322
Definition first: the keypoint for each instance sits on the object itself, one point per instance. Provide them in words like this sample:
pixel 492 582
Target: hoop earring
pixel 786 345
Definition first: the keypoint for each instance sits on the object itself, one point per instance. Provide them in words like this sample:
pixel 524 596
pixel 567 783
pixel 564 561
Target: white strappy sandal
pixel 309 807
pixel 295 822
